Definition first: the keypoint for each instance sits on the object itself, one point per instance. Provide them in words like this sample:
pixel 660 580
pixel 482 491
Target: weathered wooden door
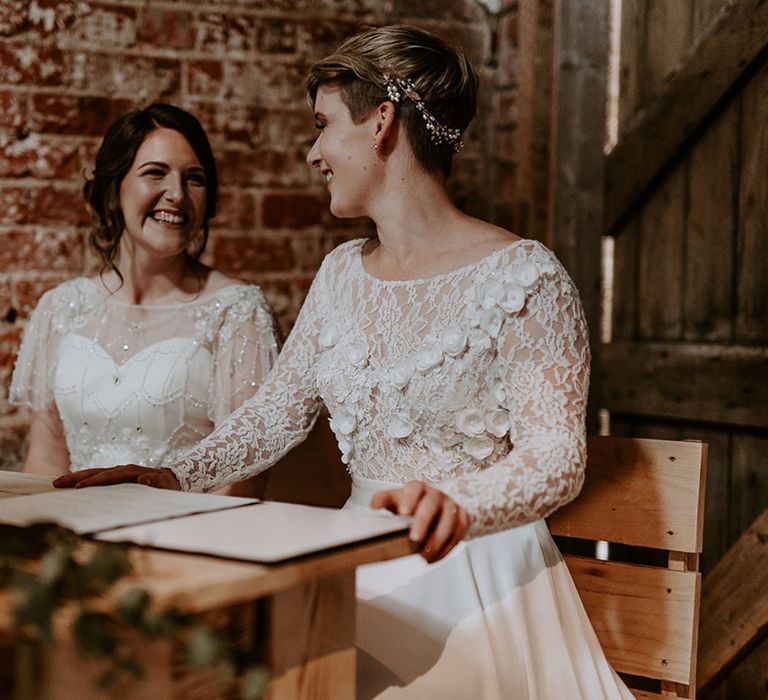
pixel 686 210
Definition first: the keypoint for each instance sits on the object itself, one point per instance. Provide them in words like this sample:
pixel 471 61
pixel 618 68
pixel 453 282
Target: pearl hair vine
pixel 398 88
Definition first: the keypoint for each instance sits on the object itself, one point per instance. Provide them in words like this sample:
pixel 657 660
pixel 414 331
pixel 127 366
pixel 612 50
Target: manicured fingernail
pixel 414 536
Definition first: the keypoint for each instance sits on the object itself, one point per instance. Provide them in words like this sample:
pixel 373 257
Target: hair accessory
pixel 398 88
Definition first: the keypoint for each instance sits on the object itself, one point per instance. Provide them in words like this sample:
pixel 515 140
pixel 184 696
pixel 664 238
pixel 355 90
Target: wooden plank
pixel 625 282
pixel 638 492
pixel 622 426
pixel 311 641
pixel 708 262
pixel 752 260
pixel 750 678
pixel 533 76
pixel 712 383
pixel 656 429
pixel 731 623
pixel 632 87
pixel 705 13
pixel 580 85
pixel 668 38
pixel 687 99
pixel 643 616
pixel 749 480
pixel 200 583
pixel 312 472
pixel 717 506
pixel 660 287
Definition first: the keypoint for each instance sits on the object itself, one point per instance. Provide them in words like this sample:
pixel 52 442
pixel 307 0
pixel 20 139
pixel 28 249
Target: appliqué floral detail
pixel 427 357
pixel 491 321
pixel 514 298
pixel 471 422
pixel 340 391
pixel 329 335
pixel 454 341
pixel 346 448
pixel 436 449
pixel 489 293
pixel 400 375
pixel 400 426
pixel 344 422
pixel 479 339
pixel 500 394
pixel 497 422
pixel 478 447
pixel 356 353
pixel 526 274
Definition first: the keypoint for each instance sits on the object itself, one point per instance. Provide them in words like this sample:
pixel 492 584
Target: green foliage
pixel 40 571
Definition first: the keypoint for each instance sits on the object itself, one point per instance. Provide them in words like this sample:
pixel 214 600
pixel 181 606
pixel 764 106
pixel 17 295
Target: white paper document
pixel 268 532
pixel 19 484
pixel 89 510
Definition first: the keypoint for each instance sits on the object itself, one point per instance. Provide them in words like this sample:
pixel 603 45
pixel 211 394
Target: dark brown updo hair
pixel 113 160
pixel 441 74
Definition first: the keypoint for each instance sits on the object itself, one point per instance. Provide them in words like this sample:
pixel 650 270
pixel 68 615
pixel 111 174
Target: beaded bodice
pixel 475 380
pixel 141 384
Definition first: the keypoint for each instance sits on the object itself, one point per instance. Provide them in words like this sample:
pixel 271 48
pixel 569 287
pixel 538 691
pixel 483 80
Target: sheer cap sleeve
pixel 278 416
pixel 543 367
pixel 245 349
pixel 56 313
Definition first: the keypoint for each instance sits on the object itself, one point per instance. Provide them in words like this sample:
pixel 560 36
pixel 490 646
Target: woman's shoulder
pixel 230 304
pixel 74 295
pixel 241 300
pixel 345 252
pixel 529 251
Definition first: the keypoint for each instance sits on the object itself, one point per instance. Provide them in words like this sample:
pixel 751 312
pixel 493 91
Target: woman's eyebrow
pixel 154 162
pixel 163 164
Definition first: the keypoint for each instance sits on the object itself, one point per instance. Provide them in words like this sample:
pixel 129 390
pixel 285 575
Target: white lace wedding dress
pixel 475 380
pixel 141 384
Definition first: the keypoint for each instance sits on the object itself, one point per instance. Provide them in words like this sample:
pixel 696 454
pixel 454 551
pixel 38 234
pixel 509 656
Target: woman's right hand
pixel 159 477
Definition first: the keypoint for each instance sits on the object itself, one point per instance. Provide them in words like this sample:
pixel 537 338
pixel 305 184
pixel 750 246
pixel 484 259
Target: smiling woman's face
pixel 163 195
pixel 343 152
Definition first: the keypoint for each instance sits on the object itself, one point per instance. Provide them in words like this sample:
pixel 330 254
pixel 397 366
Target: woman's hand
pixel 439 523
pixel 162 478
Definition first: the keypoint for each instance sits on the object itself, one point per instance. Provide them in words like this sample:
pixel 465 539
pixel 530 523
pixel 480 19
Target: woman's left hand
pixel 439 523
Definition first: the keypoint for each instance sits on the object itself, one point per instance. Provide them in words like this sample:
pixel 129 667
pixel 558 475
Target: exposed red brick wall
pixel 68 68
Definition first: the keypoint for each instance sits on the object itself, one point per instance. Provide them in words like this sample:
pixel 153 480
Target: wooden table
pixel 300 615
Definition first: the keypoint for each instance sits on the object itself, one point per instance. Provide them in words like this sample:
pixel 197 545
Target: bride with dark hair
pixel 141 362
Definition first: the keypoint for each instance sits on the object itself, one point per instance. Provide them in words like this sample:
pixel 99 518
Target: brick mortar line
pixel 242 9
pixel 78 92
pixel 179 54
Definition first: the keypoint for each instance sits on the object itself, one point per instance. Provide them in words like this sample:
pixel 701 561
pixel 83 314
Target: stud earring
pixel 375 146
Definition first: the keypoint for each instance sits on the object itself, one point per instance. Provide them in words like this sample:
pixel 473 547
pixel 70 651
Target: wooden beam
pixel 734 605
pixel 687 381
pixel 655 136
pixel 577 162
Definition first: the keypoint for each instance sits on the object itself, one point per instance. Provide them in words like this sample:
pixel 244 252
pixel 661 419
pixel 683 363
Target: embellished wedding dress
pixel 141 384
pixel 476 381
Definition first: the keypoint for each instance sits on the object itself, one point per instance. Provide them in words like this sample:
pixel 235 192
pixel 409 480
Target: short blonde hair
pixel 441 73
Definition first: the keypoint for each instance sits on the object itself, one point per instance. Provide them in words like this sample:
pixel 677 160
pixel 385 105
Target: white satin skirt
pixel 499 618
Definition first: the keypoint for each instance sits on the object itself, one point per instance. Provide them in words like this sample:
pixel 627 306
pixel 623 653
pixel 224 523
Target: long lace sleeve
pixel 277 417
pixel 246 347
pixel 543 366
